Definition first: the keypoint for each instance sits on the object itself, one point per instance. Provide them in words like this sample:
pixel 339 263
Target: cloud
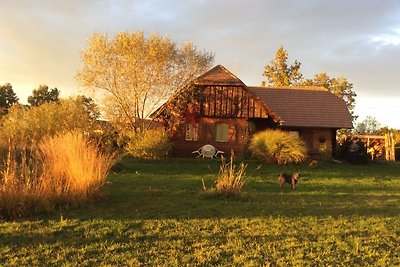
pixel 40 41
pixel 392 38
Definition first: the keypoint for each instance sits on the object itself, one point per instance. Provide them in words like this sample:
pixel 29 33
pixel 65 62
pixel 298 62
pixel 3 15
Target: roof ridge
pixel 292 87
pixel 216 69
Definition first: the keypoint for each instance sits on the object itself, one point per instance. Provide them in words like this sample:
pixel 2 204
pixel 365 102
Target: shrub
pixel 150 144
pixel 343 152
pixel 278 147
pixel 63 172
pixel 29 125
pixel 325 151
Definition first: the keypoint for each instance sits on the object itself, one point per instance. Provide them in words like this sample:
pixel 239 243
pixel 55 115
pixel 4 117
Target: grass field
pixel 154 214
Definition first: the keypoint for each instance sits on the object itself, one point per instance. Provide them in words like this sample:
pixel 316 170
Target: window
pixel 221 132
pixel 192 132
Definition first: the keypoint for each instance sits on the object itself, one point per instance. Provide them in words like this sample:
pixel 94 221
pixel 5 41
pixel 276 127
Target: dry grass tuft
pixel 63 172
pixel 231 179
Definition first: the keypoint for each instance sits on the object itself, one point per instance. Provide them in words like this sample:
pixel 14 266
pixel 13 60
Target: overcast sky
pixel 41 40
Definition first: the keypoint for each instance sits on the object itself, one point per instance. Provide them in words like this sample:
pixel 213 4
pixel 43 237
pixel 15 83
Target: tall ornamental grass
pixel 75 167
pixel 276 146
pixel 20 184
pixel 65 171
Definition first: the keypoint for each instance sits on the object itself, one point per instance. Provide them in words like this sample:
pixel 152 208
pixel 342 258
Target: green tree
pixel 7 98
pixel 29 125
pixel 89 106
pixel 279 73
pixel 43 95
pixel 369 125
pixel 138 73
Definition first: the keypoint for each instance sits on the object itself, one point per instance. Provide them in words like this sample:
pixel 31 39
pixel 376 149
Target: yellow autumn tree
pixel 136 73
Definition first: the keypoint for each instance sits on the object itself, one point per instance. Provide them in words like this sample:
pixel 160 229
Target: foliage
pixel 107 139
pixel 29 125
pixel 65 171
pixel 8 98
pixel 325 151
pixel 89 106
pixel 43 95
pixel 137 73
pixel 151 144
pixel 154 215
pixel 278 146
pixel 369 125
pixel 182 108
pixel 343 151
pixel 279 73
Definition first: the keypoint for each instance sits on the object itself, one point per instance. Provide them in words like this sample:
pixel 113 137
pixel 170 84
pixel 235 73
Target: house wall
pixel 316 139
pixel 236 137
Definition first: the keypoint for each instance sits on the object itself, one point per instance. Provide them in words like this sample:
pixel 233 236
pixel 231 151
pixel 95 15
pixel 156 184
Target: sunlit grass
pixel 155 215
pixel 258 241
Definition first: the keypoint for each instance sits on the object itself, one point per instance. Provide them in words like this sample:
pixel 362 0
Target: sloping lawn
pixel 155 214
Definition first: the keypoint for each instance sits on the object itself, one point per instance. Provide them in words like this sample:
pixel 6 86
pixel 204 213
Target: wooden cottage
pixel 222 111
pixel 313 113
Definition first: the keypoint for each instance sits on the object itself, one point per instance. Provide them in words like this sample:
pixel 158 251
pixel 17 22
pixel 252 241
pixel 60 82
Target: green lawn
pixel 155 214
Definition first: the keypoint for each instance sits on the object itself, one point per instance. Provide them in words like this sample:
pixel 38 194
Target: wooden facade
pixel 227 112
pixel 230 102
pixel 318 140
pixel 207 133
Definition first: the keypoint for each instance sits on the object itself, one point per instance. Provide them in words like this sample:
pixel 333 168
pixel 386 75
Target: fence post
pixel 387 156
pixel 392 148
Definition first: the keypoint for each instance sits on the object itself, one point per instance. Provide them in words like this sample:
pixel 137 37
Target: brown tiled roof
pixel 218 75
pixel 305 106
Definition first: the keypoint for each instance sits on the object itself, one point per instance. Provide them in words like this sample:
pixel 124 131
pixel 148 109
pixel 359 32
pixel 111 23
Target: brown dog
pixel 290 179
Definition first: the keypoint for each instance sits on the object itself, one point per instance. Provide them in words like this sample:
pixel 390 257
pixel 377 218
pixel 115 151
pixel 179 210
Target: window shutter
pixel 222 132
